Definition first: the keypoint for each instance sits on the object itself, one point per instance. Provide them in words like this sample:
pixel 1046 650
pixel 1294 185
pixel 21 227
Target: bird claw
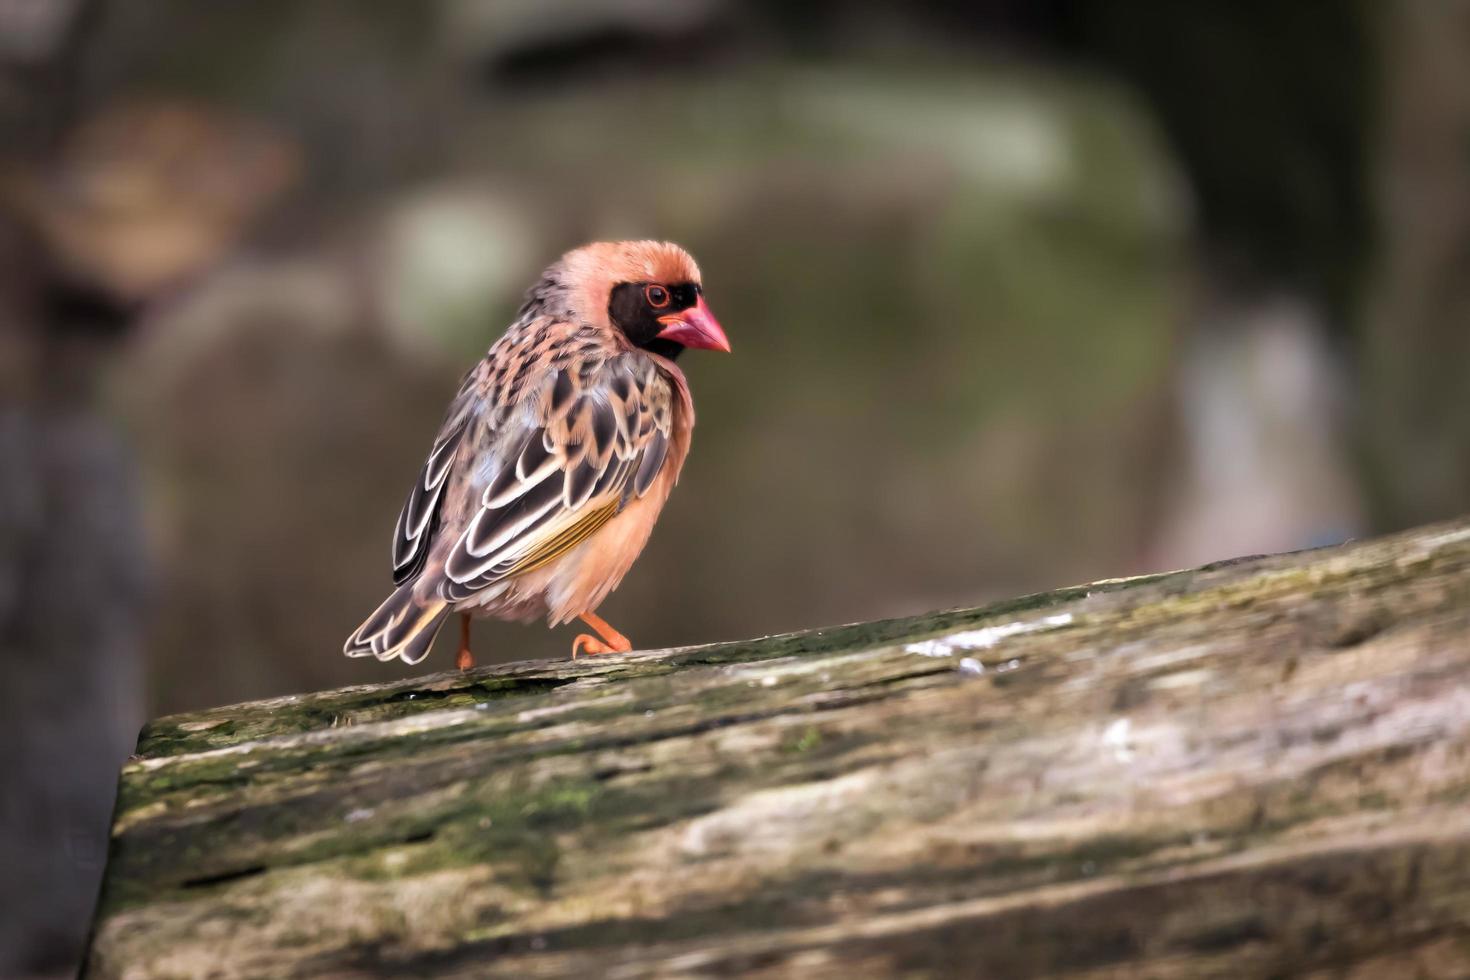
pixel 612 641
pixel 583 643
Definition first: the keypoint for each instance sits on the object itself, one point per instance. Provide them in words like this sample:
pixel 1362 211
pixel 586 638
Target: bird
pixel 554 458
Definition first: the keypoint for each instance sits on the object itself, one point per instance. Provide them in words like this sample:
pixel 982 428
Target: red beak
pixel 695 327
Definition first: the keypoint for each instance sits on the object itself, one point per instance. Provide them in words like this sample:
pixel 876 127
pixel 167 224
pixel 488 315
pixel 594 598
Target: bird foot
pixel 612 641
pixel 583 643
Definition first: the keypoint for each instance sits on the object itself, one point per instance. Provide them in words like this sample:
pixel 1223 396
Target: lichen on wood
pixel 1252 768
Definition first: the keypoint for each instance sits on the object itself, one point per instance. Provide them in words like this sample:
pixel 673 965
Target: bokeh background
pixel 1022 293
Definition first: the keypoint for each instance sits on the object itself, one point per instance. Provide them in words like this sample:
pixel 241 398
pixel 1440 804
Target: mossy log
pixel 1255 768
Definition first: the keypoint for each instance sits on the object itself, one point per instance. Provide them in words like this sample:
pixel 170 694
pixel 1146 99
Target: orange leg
pixel 612 641
pixel 464 660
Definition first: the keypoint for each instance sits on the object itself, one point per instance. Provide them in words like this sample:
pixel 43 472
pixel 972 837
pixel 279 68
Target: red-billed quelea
pixel 554 458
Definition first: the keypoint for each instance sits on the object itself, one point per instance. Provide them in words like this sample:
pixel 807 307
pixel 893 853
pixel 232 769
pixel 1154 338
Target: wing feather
pixel 656 448
pixel 597 437
pixel 419 518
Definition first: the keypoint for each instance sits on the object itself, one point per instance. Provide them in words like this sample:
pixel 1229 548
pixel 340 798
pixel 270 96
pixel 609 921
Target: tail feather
pixel 403 626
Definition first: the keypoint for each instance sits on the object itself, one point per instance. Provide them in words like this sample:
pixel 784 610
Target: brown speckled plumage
pixel 555 456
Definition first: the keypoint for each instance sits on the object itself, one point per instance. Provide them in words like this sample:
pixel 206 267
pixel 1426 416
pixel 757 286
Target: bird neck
pixel 667 349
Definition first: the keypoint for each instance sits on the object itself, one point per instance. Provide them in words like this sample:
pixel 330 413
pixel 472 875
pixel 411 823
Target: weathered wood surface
pixel 1253 769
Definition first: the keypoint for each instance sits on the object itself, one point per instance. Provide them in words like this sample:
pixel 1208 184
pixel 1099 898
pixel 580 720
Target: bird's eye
pixel 657 296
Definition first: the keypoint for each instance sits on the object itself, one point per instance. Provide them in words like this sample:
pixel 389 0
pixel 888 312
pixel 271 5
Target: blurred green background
pixel 1021 294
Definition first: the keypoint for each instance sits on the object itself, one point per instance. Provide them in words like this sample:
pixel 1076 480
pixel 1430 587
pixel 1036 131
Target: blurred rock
pixel 32 30
pixel 73 569
pixel 125 208
pixel 486 31
pixel 145 195
pixel 454 259
pixel 257 402
pixel 1416 344
pixel 1263 402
